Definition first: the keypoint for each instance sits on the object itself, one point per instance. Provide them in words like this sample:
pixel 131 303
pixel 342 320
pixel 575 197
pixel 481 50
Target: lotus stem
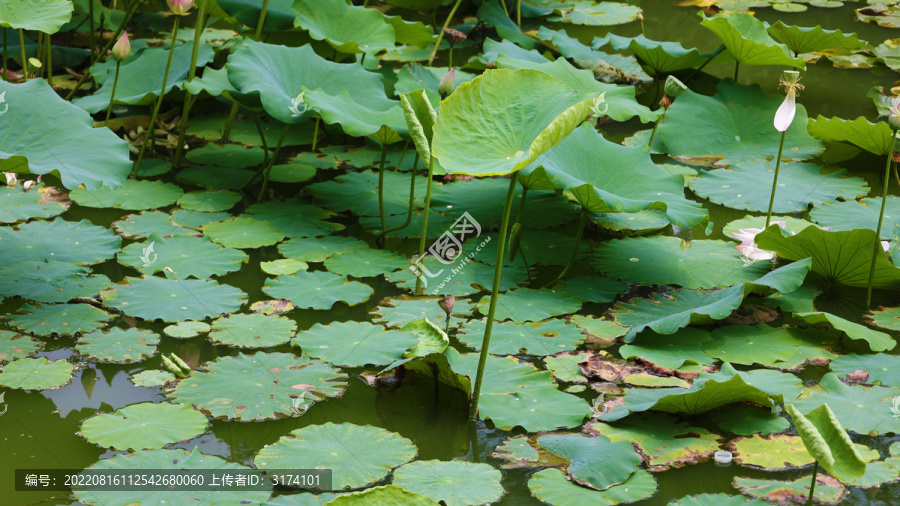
pixel 265 184
pixel 425 218
pixel 5 58
pixel 574 255
pixel 656 127
pixel 232 115
pixel 737 66
pixel 441 33
pixel 49 61
pixel 495 289
pixel 162 93
pixel 381 188
pixel 412 196
pixel 775 180
pixel 113 95
pixel 192 72
pixel 38 53
pixel 262 18
pixel 812 485
pixel 24 56
pixel 884 191
pixel 91 32
pixel 262 138
pixel 896 176
pixel 505 9
pixel 315 134
pixel 519 14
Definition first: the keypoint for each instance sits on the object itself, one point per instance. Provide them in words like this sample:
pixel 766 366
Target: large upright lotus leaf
pixel 748 186
pixel 356 192
pixel 733 126
pixel 354 344
pixel 504 119
pixel 431 339
pixel 552 487
pixel 873 137
pixel 51 281
pixel 746 419
pixel 357 454
pixel 280 14
pixel 878 341
pixel 606 67
pixel 244 232
pixel 583 12
pixel 594 461
pixel 172 300
pixel 827 441
pixel 132 195
pixel 347 28
pixel 141 78
pixel 339 93
pixel 255 330
pixel 661 57
pixel 420 116
pixel 46 16
pixel 518 394
pixel 497 18
pixel 260 386
pixel 181 257
pixel 63 241
pixel 36 373
pixel 144 426
pixel 525 304
pixel 61 319
pixel 318 289
pixel 510 338
pixel 805 39
pixel 746 39
pixel 456 482
pixel 843 258
pixel 78 154
pixel 841 216
pixel 605 177
pixel 17 204
pixel 118 345
pixel 862 410
pixel 880 369
pixel 660 260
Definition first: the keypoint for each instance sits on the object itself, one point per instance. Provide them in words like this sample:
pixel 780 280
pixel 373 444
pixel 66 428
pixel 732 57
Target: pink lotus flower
pixel 122 48
pixel 448 83
pixel 180 7
pixel 748 247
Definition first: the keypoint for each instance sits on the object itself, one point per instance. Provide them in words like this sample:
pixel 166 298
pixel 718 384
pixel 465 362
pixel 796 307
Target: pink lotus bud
pixel 448 83
pixel 122 48
pixel 447 303
pixel 180 7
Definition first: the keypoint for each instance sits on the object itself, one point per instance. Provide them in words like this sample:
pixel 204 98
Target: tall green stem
pixel 91 28
pixel 884 191
pixel 234 108
pixel 262 18
pixel 655 128
pixel 192 71
pixel 5 58
pixel 441 33
pixel 226 132
pixel 412 197
pixel 49 61
pixel 425 219
pixel 775 180
pixel 24 57
pixel 113 95
pixel 519 14
pixel 574 254
pixel 265 185
pixel 315 135
pixel 495 289
pixel 162 93
pixel 812 485
pixel 381 188
pixel 737 66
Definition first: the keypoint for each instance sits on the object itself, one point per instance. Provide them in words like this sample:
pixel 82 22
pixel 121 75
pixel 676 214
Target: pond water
pixel 40 430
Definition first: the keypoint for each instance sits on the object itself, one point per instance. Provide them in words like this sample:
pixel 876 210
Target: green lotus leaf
pixel 518 394
pixel 135 86
pixel 804 39
pixel 564 366
pixel 858 409
pixel 746 39
pixel 36 373
pixel 320 249
pixel 470 138
pixel 386 494
pixel 144 426
pixel 184 330
pixel 842 258
pixel 437 224
pixel 197 220
pixel 606 67
pixel 416 5
pixel 873 137
pixel 366 263
pixel 748 186
pixel 777 452
pixel 547 247
pixel 244 232
pixel 291 173
pixel 877 474
pixel 878 341
pixel 431 338
pixel 50 281
pixel 683 349
pixel 14 346
pixel 252 330
pixel 552 487
pixel 354 344
pixel 118 345
pixel 357 454
pixel 61 319
pixel 355 192
pixel 420 117
pixel 828 491
pixel 346 94
pixel 652 381
pixel 46 16
pixel 261 386
pixel 455 483
pixel 660 260
pixel 881 368
pixel 181 257
pixel 886 15
pixel 295 218
pixel 746 419
pixel 172 300
pixel 661 57
pixel 761 344
pixel 593 289
pixel 210 127
pixel 141 225
pixel 152 378
pixel 216 178
pixel 132 195
pixel 279 13
pixel 79 153
pixel 605 178
pixel 828 443
pixel 664 441
pixel 17 204
pixel 275 306
pixel 346 28
pixel 495 17
pixel 525 304
pixel 520 453
pixel 733 228
pixel 469 277
pixel 509 338
pixel 209 200
pixel 594 461
pixel 582 12
pixel 318 289
pixel 844 216
pixel 717 499
pixel 172 460
pixel 283 266
pixel 597 329
pixel 397 312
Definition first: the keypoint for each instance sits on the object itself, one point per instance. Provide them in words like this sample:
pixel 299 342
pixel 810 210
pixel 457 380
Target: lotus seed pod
pixel 674 87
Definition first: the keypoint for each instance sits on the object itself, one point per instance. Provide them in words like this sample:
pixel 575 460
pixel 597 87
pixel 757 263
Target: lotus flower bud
pixel 454 37
pixel 447 304
pixel 894 116
pixel 674 87
pixel 180 7
pixel 122 48
pixel 448 83
pixel 784 116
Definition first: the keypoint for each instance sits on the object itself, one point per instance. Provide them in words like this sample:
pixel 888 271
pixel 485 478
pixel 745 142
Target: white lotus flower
pixel 784 116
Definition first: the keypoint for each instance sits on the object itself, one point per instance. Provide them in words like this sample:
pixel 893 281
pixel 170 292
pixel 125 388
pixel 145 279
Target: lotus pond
pixel 455 251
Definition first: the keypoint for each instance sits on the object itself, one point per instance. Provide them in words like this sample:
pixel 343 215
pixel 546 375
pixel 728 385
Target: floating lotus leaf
pixel 252 330
pixel 552 487
pixel 386 494
pixel 181 257
pixel 184 330
pixel 318 289
pixel 246 132
pixel 275 306
pixel 877 474
pixel 564 366
pixel 733 228
pixel 873 137
pixel 469 278
pixel 664 441
pixel 880 369
pixel 346 28
pixel 172 460
pixel 518 394
pixel 50 281
pixel 437 224
pixel 804 39
pixel 660 260
pixel 356 192
pixel 682 349
pixel 197 220
pixel 858 409
pixel 16 204
pixel 291 173
pixel 547 247
pixel 233 156
pixel 746 39
pixel 118 345
pixel 470 138
pixel 36 373
pixel 152 378
pixel 14 346
pixel 455 483
pixel 828 489
pixel 652 381
pixel 144 426
pixel 61 319
pixel 717 499
pixel 63 241
pixel 777 452
pixel 593 289
pixel 666 314
pixel 46 16
pixel 354 344
pixel 746 419
pixel 132 195
pixel 171 300
pixel 606 67
pixel 397 312
pixel 318 250
pixel 844 216
pixel 509 338
pixel 881 15
pixel 519 452
pixel 661 57
pixel 283 266
pixel 365 263
pixel 761 344
pixel 216 178
pixel 525 304
pixel 244 232
pixel 828 443
pixel 260 386
pixel 605 177
pixel 495 17
pixel 749 186
pixel 594 461
pixel 878 341
pixel 602 14
pixel 597 329
pixel 357 454
pixel 209 200
pixel 137 226
pixel 733 126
